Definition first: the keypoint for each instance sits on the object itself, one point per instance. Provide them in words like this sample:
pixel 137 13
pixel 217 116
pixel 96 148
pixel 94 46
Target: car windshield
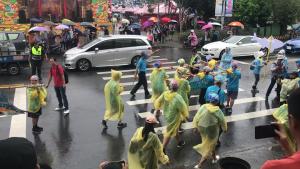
pixel 90 44
pixel 233 39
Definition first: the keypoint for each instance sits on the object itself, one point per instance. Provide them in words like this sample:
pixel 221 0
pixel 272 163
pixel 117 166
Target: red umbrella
pixel 201 22
pixel 165 20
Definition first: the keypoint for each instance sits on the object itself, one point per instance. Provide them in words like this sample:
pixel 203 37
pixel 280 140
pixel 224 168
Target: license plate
pixel 289 47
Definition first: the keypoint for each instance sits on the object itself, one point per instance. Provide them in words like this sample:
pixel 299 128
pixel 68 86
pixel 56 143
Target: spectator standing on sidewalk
pixel 141 70
pixel 58 74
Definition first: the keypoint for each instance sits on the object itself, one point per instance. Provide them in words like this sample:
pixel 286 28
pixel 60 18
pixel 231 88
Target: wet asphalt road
pixel 78 141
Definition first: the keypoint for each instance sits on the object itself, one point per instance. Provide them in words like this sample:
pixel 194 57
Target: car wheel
pixel 221 54
pixel 13 69
pixel 83 65
pixel 134 60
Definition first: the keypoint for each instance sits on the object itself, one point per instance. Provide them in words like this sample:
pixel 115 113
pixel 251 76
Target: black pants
pixel 142 81
pixel 36 68
pixel 256 76
pixel 61 97
pixel 201 96
pixel 278 89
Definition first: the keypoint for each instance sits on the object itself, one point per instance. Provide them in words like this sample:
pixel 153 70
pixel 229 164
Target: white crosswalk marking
pixel 243 63
pixel 131 76
pixel 232 118
pixel 196 107
pixel 18 122
pixel 144 101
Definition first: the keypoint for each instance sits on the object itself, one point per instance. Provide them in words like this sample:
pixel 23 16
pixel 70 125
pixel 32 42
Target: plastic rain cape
pixel 288 85
pixel 145 155
pixel 158 82
pixel 114 105
pixel 175 110
pixel 184 89
pixel 36 97
pixel 208 121
pixel 281 115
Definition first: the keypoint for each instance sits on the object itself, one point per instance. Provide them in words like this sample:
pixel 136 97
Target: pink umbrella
pixel 61 27
pixel 147 24
pixel 207 26
pixel 201 22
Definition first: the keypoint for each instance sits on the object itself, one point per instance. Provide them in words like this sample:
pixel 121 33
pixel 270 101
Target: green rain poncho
pixel 208 121
pixel 281 115
pixel 288 85
pixel 114 105
pixel 158 82
pixel 145 155
pixel 184 89
pixel 175 110
pixel 35 98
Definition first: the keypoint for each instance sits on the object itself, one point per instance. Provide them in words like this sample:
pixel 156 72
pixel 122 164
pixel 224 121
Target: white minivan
pixel 113 50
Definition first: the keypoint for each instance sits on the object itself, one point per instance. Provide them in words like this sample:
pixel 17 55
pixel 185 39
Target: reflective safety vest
pixel 36 52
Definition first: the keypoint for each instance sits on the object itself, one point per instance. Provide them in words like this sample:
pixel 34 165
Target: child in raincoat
pixel 36 97
pixel 226 60
pixel 256 66
pixel 158 80
pixel 233 82
pixel 211 63
pixel 207 80
pixel 288 86
pixel 281 116
pixel 113 101
pixel 208 121
pixel 145 148
pixel 184 71
pixel 175 111
pixel 217 88
pixel 184 86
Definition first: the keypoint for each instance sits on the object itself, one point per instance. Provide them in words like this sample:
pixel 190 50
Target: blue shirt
pixel 207 81
pixel 142 65
pixel 233 81
pixel 258 64
pixel 218 91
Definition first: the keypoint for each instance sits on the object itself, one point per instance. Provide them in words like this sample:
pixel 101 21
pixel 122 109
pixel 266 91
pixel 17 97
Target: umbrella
pixel 153 19
pixel 147 24
pixel 236 24
pixel 173 21
pixel 68 22
pixel 201 22
pixel 86 24
pixel 271 43
pixel 36 20
pixel 165 20
pixel 216 24
pixel 125 21
pixel 61 27
pixel 213 19
pixel 49 23
pixel 38 29
pixel 207 26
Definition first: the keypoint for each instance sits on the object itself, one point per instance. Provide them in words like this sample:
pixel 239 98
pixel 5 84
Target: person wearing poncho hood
pixel 181 69
pixel 175 110
pixel 145 148
pixel 36 96
pixel 207 80
pixel 208 121
pixel 256 66
pixel 113 101
pixel 226 60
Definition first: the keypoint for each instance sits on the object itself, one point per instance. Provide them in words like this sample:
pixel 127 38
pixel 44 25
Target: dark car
pixel 17 38
pixel 292 46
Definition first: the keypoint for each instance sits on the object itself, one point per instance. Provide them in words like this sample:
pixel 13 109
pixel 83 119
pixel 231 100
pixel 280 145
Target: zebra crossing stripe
pixel 18 122
pixel 196 107
pixel 232 118
pixel 132 76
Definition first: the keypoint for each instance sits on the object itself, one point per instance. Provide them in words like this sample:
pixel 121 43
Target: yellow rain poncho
pixel 36 97
pixel 184 89
pixel 158 82
pixel 281 115
pixel 145 155
pixel 288 85
pixel 181 72
pixel 175 110
pixel 208 121
pixel 212 64
pixel 114 105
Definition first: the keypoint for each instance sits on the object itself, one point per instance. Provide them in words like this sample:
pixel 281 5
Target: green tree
pixel 252 12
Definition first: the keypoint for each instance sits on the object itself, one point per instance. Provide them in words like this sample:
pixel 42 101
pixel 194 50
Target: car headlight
pixel 214 49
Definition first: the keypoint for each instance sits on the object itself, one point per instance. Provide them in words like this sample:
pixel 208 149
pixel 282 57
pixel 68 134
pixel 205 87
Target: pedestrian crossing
pixel 128 82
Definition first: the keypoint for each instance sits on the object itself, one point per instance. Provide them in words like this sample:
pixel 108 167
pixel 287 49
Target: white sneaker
pixel 216 160
pixel 66 112
pixel 59 108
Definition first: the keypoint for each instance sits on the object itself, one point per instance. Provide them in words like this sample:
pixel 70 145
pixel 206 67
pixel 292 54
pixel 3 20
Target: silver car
pixel 114 50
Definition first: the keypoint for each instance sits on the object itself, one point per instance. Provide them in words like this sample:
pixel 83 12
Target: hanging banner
pixel 9 12
pixel 224 6
pixel 100 10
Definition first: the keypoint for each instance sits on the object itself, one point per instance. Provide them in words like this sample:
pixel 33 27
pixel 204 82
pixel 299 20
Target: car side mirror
pixel 96 49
